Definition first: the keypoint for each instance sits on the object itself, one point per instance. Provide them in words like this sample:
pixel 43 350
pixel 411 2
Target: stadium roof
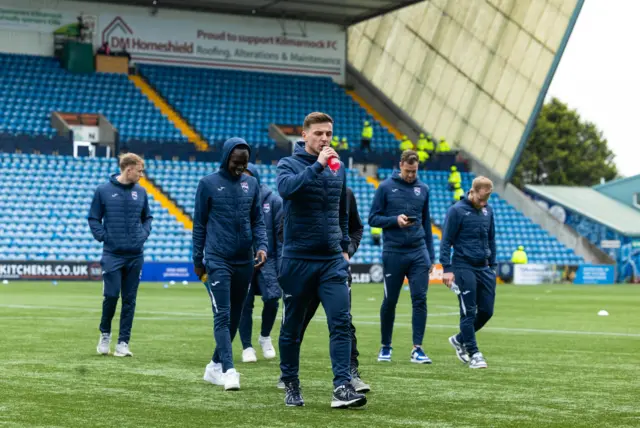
pixel 341 12
pixel 593 204
pixel 617 182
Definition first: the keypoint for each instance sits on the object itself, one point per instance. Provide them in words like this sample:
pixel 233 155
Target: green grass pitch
pixel 553 362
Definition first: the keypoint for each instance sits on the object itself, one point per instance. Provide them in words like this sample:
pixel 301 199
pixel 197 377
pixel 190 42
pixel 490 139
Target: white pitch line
pixel 320 318
pixel 518 330
pixel 185 314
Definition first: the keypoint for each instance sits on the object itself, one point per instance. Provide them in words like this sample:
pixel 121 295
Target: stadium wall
pixel 195 39
pixel 468 71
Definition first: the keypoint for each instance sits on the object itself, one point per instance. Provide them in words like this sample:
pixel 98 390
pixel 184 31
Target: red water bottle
pixel 334 163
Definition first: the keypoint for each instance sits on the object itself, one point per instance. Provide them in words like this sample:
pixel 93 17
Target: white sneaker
pixel 231 380
pixel 122 350
pixel 249 356
pixel 268 350
pixel 213 373
pixel 104 345
pixel 477 361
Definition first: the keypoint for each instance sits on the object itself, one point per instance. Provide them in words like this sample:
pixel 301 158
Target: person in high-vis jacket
pixel 120 218
pixel 425 144
pixel 470 229
pixel 458 192
pixel 344 144
pixel 423 156
pixel 519 256
pixel 454 178
pixel 406 144
pixel 376 235
pixel 443 147
pixel 366 137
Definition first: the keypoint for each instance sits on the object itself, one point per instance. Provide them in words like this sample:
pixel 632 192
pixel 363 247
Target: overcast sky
pixel 599 75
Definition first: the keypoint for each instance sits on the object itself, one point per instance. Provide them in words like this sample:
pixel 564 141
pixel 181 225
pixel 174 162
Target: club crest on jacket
pixel 416 190
pixel 266 208
pixel 134 195
pixel 245 186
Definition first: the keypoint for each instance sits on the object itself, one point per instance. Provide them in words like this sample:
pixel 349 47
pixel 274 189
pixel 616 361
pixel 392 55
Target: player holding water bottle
pixel 315 257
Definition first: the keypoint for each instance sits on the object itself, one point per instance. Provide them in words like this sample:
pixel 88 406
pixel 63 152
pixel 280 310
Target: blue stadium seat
pixel 225 103
pixel 46 204
pixel 32 87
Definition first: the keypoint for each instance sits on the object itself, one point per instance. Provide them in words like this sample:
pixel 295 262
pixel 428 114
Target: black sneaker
pixel 292 395
pixel 345 396
pixel 358 384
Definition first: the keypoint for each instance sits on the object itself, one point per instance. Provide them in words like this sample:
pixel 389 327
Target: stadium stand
pixel 224 103
pixel 32 87
pixel 219 103
pixel 58 191
pixel 44 202
pixel 45 199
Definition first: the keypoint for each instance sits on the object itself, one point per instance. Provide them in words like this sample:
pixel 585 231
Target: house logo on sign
pixel 120 35
pixel 117 30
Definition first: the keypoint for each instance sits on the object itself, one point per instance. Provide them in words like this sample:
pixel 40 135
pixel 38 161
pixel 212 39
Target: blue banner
pixel 595 274
pixel 585 274
pixel 165 272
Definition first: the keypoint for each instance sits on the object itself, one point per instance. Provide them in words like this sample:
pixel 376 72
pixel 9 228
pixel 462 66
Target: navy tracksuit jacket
pixel 227 225
pixel 406 251
pixel 315 236
pixel 120 218
pixel 471 233
pixel 265 280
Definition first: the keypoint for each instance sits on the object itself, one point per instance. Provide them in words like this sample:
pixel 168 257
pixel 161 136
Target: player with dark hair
pixel 401 208
pixel 312 182
pixel 227 225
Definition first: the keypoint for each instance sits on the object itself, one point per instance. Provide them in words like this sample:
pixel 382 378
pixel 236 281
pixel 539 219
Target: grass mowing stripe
pixel 554 364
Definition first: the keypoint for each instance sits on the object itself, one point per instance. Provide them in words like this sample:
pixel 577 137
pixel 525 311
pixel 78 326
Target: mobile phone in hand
pixel 412 218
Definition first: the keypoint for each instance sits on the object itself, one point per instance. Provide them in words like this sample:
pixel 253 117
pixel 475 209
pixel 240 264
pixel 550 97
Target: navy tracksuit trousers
pixel 415 266
pixel 227 286
pixel 312 307
pixel 477 297
pixel 301 280
pixel 269 313
pixel 121 276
